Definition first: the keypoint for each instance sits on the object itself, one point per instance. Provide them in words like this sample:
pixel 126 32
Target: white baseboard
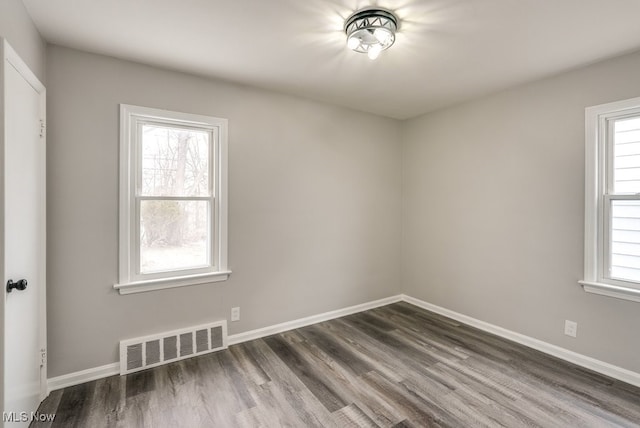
pixel 607 369
pixel 82 376
pixel 88 375
pixel 601 367
pixel 303 322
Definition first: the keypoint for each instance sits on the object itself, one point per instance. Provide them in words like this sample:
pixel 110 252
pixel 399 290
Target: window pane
pixel 626 160
pixel 625 240
pixel 175 161
pixel 173 235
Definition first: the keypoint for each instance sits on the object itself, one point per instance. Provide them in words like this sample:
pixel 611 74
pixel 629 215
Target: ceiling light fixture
pixel 371 31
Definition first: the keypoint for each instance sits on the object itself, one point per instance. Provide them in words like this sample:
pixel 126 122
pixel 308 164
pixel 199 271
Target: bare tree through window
pixel 175 164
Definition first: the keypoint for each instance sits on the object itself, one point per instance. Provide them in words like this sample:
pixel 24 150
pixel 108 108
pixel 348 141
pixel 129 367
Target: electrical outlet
pixel 235 314
pixel 570 328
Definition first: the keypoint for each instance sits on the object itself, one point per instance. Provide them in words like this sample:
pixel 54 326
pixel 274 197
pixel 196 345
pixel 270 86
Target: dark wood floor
pixel 393 366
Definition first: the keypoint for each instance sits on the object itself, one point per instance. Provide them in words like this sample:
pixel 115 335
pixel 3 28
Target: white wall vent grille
pixel 154 350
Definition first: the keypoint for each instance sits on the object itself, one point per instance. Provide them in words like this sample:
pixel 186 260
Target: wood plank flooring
pixel 395 366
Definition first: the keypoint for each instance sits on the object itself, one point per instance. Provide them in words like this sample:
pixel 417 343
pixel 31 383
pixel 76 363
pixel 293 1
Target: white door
pixel 24 243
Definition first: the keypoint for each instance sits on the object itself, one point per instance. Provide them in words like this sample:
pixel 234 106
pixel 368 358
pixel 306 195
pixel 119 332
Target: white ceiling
pixel 446 51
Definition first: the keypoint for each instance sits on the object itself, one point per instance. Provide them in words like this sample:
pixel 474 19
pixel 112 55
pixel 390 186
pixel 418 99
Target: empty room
pixel 320 213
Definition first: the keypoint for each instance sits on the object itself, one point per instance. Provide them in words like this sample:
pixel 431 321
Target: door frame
pixel 11 59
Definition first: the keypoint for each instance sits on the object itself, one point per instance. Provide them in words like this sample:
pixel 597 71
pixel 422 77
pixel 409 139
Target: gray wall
pixel 493 209
pixel 314 215
pixel 16 26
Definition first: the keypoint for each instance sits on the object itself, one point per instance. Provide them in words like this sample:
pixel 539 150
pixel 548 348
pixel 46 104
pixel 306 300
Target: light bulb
pixel 353 43
pixel 374 51
pixel 382 36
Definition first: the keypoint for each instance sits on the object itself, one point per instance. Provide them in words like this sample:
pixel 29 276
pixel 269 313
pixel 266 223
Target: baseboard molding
pixel 598 366
pixel 88 375
pixel 303 322
pixel 82 376
pixel 601 367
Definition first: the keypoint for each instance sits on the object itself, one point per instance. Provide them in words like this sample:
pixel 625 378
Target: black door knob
pixel 19 285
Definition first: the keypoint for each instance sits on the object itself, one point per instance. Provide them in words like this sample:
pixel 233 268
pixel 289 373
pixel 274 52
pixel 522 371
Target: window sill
pixel 616 291
pixel 161 284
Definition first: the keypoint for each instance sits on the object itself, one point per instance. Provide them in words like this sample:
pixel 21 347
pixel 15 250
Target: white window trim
pixel 595 234
pixel 130 282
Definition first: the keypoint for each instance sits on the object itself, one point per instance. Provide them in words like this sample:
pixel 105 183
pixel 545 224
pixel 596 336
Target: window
pixel 612 200
pixel 173 199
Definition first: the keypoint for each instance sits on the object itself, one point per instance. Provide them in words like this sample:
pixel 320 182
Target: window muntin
pixel 172 197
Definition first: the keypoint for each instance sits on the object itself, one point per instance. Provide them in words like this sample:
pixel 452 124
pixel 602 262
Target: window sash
pixel 212 248
pixel 606 254
pixel 607 138
pixel 138 124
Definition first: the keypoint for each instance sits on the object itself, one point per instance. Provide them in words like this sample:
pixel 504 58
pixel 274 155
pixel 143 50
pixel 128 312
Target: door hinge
pixel 43 128
pixel 43 357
